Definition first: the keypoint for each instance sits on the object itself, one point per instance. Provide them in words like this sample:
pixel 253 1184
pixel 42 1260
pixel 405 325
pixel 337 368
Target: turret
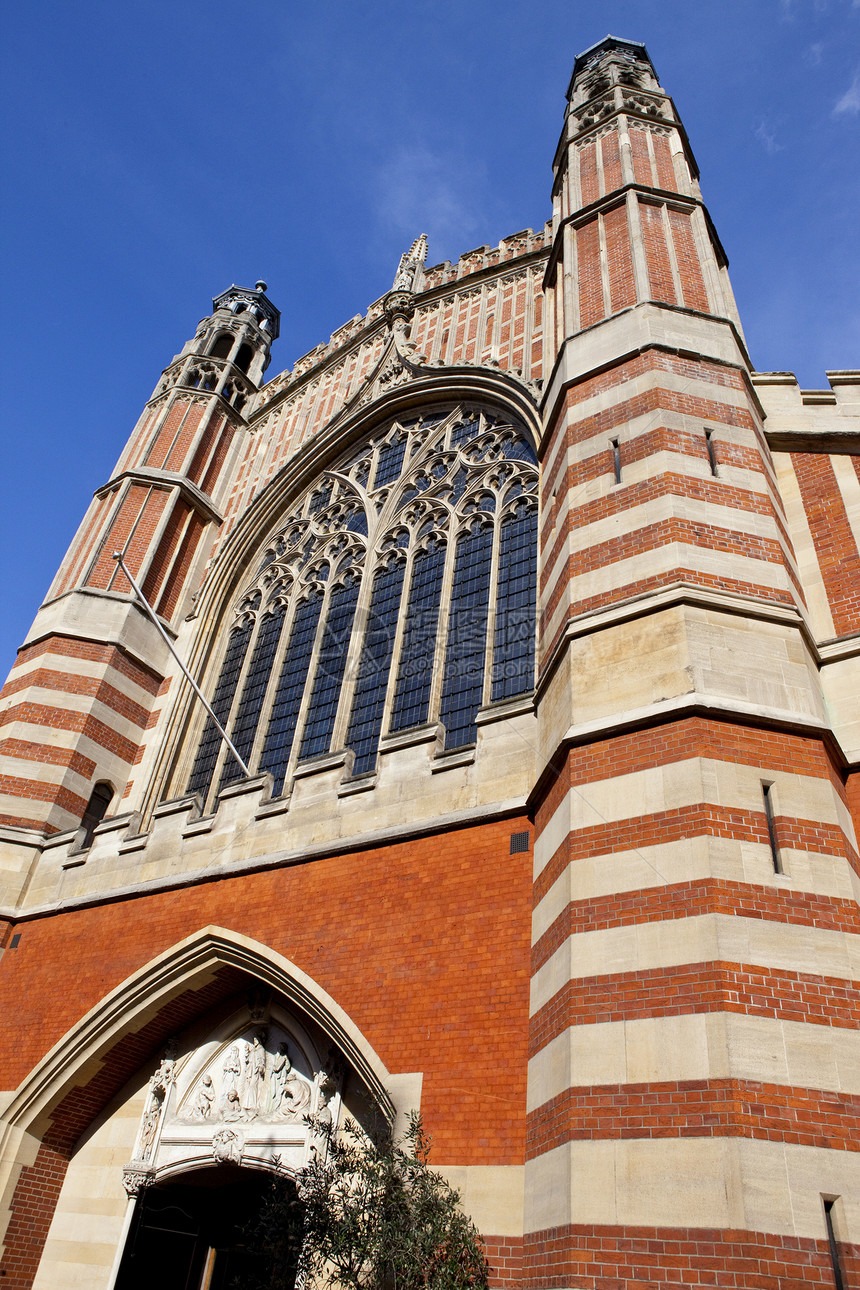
pixel 160 508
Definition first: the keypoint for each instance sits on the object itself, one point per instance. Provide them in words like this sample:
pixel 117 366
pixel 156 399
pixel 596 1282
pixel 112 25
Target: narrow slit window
pixel 97 808
pixel 838 1279
pixel 616 460
pixel 709 443
pixel 771 830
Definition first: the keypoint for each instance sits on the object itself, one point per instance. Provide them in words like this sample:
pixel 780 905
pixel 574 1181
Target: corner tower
pixel 79 697
pixel 694 852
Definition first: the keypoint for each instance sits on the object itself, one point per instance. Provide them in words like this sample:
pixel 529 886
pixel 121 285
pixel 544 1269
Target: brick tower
pixel 532 609
pixel 694 850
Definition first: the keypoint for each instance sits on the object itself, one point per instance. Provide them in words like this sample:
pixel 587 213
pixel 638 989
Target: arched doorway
pixel 214 1229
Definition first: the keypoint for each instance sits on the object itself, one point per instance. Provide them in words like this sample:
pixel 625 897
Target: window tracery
pixel 400 591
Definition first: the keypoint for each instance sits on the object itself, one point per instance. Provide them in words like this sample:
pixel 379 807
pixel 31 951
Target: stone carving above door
pixel 252 1079
pixel 243 1096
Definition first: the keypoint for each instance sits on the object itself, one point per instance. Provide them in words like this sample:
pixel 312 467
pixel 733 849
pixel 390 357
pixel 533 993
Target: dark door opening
pixel 204 1233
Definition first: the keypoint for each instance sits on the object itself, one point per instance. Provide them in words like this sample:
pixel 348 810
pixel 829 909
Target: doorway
pixel 214 1229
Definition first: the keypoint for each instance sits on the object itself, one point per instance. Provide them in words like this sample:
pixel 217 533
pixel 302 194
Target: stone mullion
pixel 80 553
pixel 172 493
pixel 438 332
pixel 497 321
pixel 707 260
pixel 566 181
pixel 640 260
pixel 670 248
pixel 169 511
pixel 604 267
pixel 528 319
pixel 205 422
pixel 598 162
pixel 452 330
pixel 172 403
pixel 625 149
pixel 482 323
pixel 170 505
pixel 652 160
pixel 109 520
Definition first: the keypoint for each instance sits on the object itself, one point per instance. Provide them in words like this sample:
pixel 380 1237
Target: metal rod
pixel 117 555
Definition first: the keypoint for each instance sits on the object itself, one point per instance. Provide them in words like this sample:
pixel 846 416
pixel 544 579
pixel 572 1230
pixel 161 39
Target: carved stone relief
pixel 240 1098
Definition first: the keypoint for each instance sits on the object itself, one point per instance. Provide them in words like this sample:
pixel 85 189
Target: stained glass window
pixel 415 674
pixel 390 461
pixel 222 701
pixel 453 492
pixel 330 669
pixel 291 687
pixel 253 693
pixel 514 643
pixel 373 668
pixel 467 633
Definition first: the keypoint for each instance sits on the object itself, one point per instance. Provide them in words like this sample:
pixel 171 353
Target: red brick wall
pixel 833 537
pixel 591 308
pixel 645 1258
pixel 656 253
pixel 425 944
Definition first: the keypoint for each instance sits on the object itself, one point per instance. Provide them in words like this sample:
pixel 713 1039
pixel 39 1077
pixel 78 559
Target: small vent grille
pixel 519 842
pixel 15 941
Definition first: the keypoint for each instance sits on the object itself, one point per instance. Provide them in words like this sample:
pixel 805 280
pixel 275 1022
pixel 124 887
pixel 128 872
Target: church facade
pixel 531 612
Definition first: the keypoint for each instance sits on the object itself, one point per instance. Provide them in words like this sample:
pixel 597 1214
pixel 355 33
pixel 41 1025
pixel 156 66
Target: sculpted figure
pixel 231 1078
pixel 290 1094
pixel 280 1070
pixel 252 1096
pixel 405 277
pixel 227 1147
pixel 322 1123
pixel 204 1099
pixel 149 1130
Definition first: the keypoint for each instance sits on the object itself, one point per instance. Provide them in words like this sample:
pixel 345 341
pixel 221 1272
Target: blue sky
pixel 158 150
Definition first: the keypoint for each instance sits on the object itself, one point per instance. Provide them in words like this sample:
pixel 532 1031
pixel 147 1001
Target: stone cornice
pixel 194 496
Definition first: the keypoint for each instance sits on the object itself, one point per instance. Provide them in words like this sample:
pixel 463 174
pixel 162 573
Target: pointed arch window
pixel 400 591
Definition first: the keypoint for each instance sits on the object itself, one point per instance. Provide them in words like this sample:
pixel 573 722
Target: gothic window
pixel 222 345
pixel 399 592
pixel 243 358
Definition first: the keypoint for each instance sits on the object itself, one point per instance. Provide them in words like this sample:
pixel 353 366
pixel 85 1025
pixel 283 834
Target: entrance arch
pixel 212 1229
pixel 117 1044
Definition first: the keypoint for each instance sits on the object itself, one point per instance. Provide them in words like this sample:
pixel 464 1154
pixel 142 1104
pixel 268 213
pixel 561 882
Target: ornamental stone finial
pixel 410 262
